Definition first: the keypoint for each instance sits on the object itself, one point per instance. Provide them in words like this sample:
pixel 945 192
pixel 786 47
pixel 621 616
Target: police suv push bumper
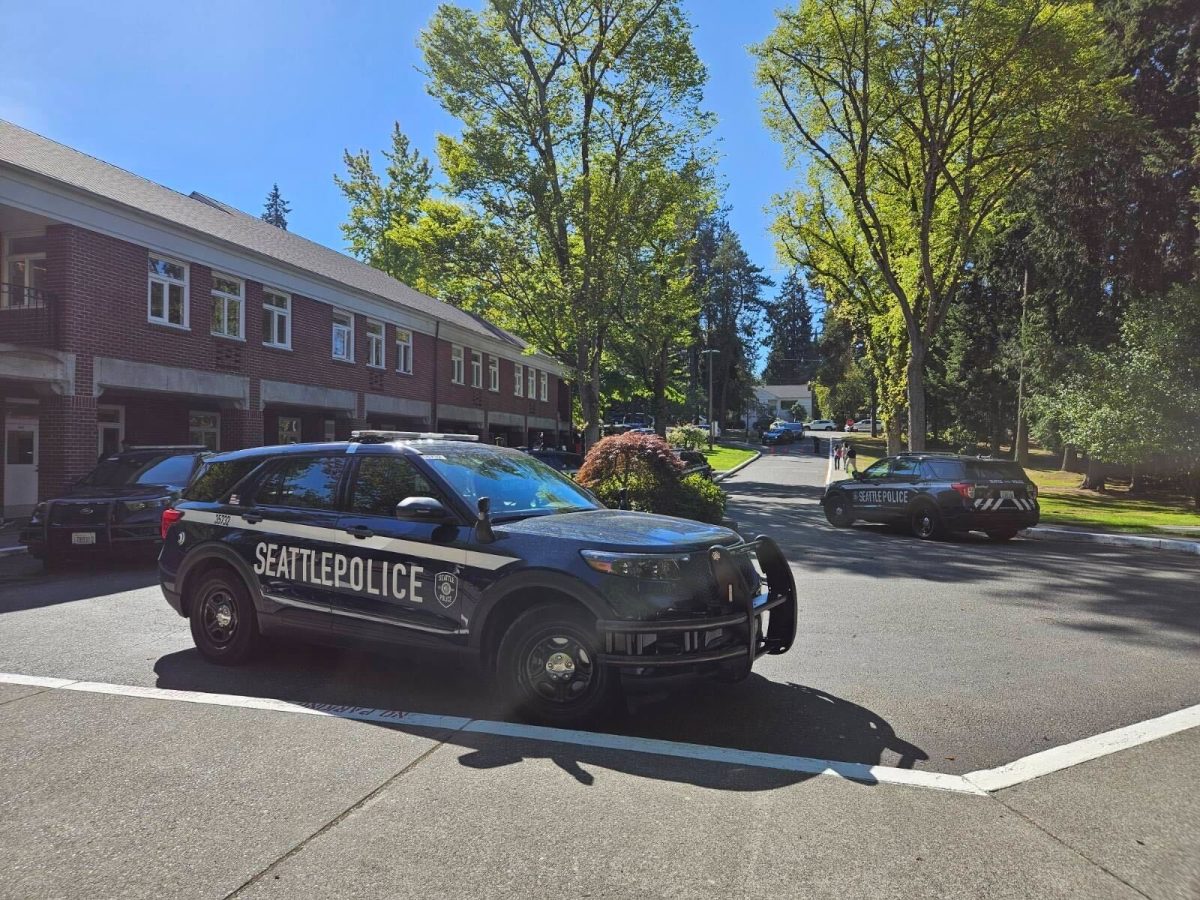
pixel 734 638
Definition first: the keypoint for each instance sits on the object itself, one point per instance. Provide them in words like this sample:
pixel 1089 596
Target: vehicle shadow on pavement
pixel 757 715
pixel 25 584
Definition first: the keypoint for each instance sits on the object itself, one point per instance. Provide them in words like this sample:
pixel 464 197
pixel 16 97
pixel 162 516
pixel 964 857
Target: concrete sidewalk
pixel 109 795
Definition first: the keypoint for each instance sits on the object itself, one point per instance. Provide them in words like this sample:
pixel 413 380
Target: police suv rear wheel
pixel 224 625
pixel 549 667
pixel 926 522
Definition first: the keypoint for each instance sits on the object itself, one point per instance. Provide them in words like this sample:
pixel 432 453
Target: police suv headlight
pixel 133 507
pixel 653 566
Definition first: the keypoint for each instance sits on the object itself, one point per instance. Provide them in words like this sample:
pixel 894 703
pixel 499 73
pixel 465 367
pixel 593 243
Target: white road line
pixel 1057 758
pixel 800 764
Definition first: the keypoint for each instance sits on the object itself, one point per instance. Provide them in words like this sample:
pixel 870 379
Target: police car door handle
pixel 252 517
pixel 360 531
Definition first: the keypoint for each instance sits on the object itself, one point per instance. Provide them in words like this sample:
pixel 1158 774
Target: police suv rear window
pixel 994 470
pixel 306 482
pixel 944 469
pixel 215 480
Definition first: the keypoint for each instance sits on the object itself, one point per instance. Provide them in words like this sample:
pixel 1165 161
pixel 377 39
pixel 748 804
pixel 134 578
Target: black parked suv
pixel 115 509
pixel 936 493
pixel 466 548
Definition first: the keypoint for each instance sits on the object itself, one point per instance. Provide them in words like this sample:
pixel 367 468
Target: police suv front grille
pixel 65 512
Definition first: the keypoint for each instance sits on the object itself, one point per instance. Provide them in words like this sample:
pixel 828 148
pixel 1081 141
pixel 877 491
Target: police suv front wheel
pixel 549 667
pixel 224 624
pixel 837 511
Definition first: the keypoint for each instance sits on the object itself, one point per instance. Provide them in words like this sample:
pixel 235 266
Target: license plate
pixel 83 537
pixel 1008 495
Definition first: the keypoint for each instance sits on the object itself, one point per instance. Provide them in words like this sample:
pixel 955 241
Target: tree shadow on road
pixel 758 715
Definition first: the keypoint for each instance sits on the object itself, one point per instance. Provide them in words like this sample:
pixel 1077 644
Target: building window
pixel 456 364
pixel 168 301
pixel 404 351
pixel 205 428
pixel 518 380
pixel 227 306
pixel 343 336
pixel 289 429
pixel 375 351
pixel 543 386
pixel 476 369
pixel 277 320
pixel 532 392
pixel 26 273
pixel 331 429
pixel 110 427
pixel 493 374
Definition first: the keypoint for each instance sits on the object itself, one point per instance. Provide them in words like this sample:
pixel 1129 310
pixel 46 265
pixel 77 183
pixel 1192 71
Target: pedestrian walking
pixel 851 459
pixel 837 457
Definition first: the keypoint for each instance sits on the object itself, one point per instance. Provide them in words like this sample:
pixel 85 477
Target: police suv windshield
pixel 517 485
pixel 141 468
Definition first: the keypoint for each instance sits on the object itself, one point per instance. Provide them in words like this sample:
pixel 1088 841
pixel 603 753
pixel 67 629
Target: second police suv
pixel 436 541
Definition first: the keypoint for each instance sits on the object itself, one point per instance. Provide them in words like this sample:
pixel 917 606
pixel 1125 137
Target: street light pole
pixel 709 354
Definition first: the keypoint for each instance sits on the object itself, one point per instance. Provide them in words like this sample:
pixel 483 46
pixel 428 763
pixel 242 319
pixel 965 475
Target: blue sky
pixel 228 96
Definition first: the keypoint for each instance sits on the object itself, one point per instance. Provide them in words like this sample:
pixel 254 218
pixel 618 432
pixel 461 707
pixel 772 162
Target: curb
pixel 1133 541
pixel 723 475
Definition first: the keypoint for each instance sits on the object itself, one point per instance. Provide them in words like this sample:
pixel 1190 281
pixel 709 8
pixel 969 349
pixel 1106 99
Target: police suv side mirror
pixel 422 509
pixel 859 476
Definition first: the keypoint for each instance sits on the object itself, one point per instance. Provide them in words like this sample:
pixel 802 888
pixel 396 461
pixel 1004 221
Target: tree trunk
pixel 1137 481
pixel 1021 438
pixel 589 397
pixel 893 436
pixel 1095 479
pixel 1070 458
pixel 916 397
pixel 659 390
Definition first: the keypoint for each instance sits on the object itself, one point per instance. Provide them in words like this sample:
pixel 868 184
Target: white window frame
pixel 278 312
pixel 101 426
pixel 153 278
pixel 543 386
pixel 493 374
pixel 349 329
pixel 518 380
pixel 404 351
pixel 215 430
pixel 225 298
pixel 330 429
pixel 7 256
pixel 476 369
pixel 376 342
pixel 457 376
pixel 279 429
pixel 532 391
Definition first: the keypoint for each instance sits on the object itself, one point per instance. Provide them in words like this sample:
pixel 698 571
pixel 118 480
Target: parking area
pixel 939 658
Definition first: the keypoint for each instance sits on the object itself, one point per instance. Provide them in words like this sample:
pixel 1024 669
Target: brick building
pixel 130 313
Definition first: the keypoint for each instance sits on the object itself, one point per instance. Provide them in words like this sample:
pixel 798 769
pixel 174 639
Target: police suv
pixel 936 493
pixel 436 541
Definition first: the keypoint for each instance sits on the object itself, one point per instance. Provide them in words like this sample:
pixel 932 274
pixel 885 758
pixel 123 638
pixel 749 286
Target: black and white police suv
pixel 936 493
pixel 113 510
pixel 437 541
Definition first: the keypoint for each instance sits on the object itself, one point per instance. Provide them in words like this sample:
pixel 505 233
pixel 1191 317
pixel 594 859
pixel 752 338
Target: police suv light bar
pixel 379 436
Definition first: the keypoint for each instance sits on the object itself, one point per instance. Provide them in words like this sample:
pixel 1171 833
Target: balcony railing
pixel 27 316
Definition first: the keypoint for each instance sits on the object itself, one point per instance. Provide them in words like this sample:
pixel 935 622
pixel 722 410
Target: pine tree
pixel 792 356
pixel 276 209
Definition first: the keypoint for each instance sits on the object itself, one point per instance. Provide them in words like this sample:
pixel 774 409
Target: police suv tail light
pixel 653 566
pixel 169 517
pixel 1031 489
pixel 966 489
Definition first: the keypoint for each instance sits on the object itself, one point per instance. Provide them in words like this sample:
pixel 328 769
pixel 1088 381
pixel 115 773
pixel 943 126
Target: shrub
pixel 689 437
pixel 699 499
pixel 622 458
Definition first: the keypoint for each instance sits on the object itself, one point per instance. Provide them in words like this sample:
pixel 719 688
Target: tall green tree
pixel 276 209
pixel 381 227
pixel 571 112
pixel 791 357
pixel 914 120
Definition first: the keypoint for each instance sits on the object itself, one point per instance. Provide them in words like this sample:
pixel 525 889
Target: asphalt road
pixel 944 657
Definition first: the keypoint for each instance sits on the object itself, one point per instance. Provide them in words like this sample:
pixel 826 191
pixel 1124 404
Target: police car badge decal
pixel 446 588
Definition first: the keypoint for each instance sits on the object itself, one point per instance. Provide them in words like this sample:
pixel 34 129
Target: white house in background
pixel 780 398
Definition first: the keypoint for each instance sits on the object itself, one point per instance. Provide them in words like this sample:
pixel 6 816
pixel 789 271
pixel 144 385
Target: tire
pixel 926 522
pixel 837 512
pixel 224 622
pixel 549 670
pixel 1005 534
pixel 829 428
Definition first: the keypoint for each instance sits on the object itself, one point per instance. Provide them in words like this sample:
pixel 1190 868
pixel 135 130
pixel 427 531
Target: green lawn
pixel 1063 503
pixel 722 459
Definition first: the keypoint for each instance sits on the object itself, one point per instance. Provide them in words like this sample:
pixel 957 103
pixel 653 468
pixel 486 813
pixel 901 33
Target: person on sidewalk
pixel 837 457
pixel 851 459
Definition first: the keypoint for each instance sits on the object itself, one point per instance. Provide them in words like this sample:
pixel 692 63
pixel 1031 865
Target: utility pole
pixel 710 354
pixel 1021 438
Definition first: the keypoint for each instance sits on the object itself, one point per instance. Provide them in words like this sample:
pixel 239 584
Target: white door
pixel 20 466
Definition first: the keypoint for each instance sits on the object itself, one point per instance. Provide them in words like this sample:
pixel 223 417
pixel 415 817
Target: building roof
pixel 787 390
pixel 31 152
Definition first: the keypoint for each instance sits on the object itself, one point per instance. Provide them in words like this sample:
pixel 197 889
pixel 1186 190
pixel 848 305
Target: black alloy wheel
pixel 224 624
pixel 926 522
pixel 549 667
pixel 837 512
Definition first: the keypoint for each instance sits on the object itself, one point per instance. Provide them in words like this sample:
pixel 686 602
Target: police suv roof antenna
pixel 483 521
